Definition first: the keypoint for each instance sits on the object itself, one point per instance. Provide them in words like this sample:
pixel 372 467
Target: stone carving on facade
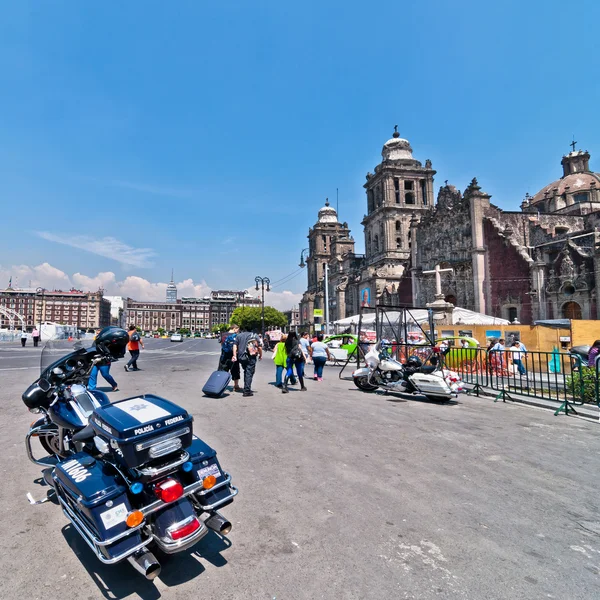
pixel 567 268
pixel 583 279
pixel 553 284
pixel 428 164
pixel 343 284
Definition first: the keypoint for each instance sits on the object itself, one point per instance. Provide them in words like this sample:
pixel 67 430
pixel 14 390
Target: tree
pixel 249 317
pixel 184 331
pixel 160 331
pixel 220 328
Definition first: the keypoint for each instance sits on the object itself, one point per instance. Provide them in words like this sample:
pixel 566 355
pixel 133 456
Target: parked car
pixel 148 335
pixel 177 337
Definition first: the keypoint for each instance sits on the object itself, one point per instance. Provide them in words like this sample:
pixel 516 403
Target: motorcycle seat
pixel 85 434
pixel 428 369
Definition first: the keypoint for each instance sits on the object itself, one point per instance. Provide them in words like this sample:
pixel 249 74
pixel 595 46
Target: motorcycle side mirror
pixel 44 385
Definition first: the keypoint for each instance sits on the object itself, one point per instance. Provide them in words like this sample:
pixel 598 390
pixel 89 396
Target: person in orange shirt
pixel 135 341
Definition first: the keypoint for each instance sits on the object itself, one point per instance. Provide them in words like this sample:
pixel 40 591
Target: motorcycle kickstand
pixel 49 495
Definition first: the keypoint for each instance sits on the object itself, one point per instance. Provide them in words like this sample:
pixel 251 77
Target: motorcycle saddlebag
pixel 97 500
pixel 141 429
pixel 205 462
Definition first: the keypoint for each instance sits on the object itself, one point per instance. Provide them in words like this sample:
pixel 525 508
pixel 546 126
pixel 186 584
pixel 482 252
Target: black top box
pixel 141 429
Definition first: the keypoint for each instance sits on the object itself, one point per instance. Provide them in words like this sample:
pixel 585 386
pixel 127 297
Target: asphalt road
pixel 342 495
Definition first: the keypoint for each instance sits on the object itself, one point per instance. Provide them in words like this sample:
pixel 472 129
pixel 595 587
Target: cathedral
pixel 541 262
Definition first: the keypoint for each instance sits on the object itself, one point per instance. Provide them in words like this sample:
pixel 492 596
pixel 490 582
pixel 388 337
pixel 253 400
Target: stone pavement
pixel 343 494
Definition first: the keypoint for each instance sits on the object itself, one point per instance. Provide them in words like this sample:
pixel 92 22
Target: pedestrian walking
pixel 226 362
pixel 35 336
pixel 280 360
pixel 295 358
pixel 320 355
pixel 593 354
pixel 517 357
pixel 305 344
pixel 23 338
pixel 104 370
pixel 135 341
pixel 246 350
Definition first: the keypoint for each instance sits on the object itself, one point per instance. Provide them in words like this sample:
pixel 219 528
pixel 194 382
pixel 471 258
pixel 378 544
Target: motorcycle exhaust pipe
pixel 146 564
pixel 217 522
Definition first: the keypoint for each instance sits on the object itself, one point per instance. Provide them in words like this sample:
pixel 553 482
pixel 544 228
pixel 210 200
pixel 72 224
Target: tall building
pixel 171 290
pixel 118 311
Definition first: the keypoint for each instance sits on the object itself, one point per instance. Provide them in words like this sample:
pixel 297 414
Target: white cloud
pixel 280 300
pixel 108 247
pixel 138 288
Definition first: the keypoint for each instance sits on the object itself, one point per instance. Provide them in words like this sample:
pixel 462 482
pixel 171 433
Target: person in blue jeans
pixel 105 372
pixel 320 355
pixel 295 358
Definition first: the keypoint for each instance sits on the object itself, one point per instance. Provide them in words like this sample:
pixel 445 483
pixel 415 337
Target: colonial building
pixel 151 316
pixel 538 263
pixel 84 310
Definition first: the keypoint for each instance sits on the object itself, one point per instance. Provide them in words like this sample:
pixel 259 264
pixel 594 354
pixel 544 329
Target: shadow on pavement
pixel 120 581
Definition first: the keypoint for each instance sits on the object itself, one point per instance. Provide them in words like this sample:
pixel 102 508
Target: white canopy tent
pixel 460 316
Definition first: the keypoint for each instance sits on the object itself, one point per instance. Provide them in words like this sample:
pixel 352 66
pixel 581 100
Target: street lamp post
pixel 41 290
pixel 262 281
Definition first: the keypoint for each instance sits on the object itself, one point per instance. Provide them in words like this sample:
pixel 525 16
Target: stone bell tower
pixel 400 191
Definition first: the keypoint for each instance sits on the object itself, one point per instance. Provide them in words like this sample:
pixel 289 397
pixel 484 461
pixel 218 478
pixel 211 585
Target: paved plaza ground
pixel 342 495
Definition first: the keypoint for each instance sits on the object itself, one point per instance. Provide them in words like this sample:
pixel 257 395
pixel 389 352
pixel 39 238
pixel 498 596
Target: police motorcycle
pixel 383 371
pixel 130 476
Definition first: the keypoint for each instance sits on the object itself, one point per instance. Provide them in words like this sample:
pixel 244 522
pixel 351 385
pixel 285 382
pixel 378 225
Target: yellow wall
pixel 585 332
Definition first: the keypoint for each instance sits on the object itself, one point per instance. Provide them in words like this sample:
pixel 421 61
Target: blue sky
pixel 205 137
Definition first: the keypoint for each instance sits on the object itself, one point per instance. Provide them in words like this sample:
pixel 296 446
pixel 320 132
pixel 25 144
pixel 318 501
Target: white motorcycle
pixel 383 371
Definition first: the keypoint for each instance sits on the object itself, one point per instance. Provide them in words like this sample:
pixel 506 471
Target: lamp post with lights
pixel 262 281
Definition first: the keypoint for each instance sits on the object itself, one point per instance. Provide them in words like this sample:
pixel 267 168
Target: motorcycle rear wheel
pixel 362 383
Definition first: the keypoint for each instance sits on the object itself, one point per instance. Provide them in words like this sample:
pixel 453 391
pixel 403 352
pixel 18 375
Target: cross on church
pixel 438 278
pixel 395 128
pixel 572 144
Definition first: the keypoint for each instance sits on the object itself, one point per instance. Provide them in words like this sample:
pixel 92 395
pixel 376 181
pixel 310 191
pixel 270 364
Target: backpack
pixel 135 337
pixel 252 347
pixel 227 345
pixel 296 353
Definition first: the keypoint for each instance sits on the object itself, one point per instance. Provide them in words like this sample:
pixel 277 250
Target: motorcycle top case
pixel 137 429
pixel 100 501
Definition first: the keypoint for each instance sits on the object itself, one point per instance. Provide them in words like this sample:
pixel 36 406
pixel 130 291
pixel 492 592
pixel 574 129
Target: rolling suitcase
pixel 216 384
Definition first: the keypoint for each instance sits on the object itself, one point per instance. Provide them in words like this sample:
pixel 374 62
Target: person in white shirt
pixel 517 356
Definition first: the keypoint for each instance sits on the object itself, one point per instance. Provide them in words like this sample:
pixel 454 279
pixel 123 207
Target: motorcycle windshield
pixel 55 350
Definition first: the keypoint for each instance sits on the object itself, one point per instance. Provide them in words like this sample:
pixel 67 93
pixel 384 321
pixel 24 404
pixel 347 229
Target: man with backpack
pixel 246 351
pixel 226 362
pixel 135 341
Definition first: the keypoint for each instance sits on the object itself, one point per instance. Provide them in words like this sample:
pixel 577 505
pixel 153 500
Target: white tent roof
pixel 460 316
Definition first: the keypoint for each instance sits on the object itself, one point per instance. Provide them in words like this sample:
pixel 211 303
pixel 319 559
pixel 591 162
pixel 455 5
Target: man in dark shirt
pixel 246 350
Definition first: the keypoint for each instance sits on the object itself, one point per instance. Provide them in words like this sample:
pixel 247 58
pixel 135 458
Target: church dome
pixel 327 214
pixel 397 148
pixel 577 180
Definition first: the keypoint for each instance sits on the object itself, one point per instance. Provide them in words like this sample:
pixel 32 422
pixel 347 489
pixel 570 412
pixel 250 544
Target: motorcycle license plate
pixel 210 470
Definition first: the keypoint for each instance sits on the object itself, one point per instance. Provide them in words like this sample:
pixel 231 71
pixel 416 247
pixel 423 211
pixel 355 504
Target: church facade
pixel 541 262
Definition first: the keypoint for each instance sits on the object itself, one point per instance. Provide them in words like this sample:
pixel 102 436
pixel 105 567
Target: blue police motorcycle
pixel 130 476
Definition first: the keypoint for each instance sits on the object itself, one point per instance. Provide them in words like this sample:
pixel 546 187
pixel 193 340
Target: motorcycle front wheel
pixel 50 441
pixel 362 383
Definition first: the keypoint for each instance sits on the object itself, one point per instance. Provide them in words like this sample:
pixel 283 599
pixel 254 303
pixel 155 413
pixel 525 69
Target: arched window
pixel 398 225
pixel 369 243
pixel 409 198
pixel 370 201
pixel 571 310
pixel 376 239
pixel 398 243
